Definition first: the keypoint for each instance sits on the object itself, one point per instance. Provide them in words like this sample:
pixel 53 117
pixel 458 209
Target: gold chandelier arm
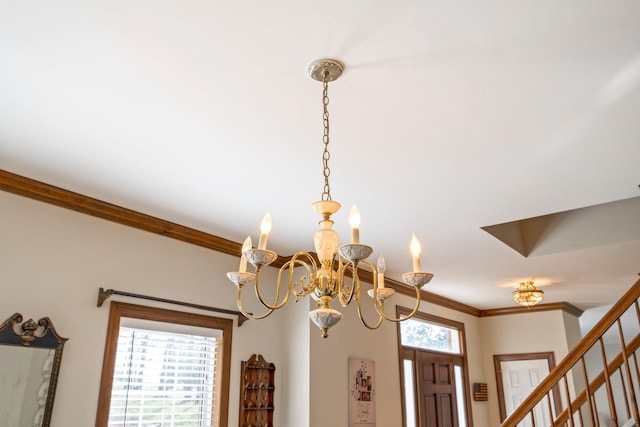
pixel 306 284
pixel 379 304
pixel 345 293
pixel 243 311
pixel 290 265
pixel 345 297
pixel 276 305
pixel 364 322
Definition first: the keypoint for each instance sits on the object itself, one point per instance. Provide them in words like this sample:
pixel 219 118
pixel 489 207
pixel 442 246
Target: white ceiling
pixel 450 116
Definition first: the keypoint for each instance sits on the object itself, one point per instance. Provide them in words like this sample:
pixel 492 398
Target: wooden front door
pixel 436 390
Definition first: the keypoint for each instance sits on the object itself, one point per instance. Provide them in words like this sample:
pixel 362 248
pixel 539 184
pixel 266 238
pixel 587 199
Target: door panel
pixel 429 411
pixel 446 409
pixel 437 390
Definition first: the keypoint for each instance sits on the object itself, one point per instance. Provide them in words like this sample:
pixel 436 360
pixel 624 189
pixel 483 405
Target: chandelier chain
pixel 326 191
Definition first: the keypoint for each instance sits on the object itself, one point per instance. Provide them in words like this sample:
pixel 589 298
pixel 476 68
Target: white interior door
pixel 519 378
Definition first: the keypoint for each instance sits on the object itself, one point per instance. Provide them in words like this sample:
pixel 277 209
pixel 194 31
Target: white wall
pixel 572 329
pixel 52 262
pixel 329 370
pixel 295 373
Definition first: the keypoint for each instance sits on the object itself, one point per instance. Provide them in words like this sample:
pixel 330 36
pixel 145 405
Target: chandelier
pixel 527 294
pixel 332 273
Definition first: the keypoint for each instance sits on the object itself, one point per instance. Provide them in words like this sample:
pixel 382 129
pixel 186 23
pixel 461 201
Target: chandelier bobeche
pixel 326 278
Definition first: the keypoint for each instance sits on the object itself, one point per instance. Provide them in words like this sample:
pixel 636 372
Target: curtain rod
pixel 103 295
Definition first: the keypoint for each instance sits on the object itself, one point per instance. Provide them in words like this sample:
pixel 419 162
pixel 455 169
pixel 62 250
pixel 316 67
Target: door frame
pixel 499 358
pixel 403 351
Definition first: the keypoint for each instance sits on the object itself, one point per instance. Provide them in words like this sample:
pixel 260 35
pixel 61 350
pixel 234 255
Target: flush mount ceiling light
pixel 527 294
pixel 334 275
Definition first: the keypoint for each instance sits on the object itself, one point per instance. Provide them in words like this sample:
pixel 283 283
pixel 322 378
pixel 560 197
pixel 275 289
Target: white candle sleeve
pixel 243 264
pixel 416 263
pixel 355 236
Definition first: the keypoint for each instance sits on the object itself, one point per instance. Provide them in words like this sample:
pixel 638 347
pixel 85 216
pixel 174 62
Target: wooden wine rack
pixel 256 392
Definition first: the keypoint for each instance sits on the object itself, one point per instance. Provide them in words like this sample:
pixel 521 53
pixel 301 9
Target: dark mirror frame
pixel 36 335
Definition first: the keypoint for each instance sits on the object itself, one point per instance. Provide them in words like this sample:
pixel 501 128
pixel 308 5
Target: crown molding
pixel 564 306
pixel 57 196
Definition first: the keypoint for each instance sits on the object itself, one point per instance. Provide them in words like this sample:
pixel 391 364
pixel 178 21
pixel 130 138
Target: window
pixel 164 368
pixel 429 336
pixel 435 385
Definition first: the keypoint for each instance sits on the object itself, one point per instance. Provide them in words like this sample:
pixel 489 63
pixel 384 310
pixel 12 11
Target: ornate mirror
pixel 30 355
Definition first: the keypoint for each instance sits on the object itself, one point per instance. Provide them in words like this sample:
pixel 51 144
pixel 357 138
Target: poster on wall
pixel 362 408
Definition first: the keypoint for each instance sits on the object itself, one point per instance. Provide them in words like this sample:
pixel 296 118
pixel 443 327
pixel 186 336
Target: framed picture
pixel 362 407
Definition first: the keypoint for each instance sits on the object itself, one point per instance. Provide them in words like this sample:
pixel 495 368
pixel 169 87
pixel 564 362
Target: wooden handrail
pixel 599 380
pixel 573 357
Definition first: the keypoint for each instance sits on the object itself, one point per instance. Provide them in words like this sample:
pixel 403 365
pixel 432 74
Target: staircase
pixel 597 383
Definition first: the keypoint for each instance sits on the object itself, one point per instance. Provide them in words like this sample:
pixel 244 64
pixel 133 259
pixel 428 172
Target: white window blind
pixel 163 379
